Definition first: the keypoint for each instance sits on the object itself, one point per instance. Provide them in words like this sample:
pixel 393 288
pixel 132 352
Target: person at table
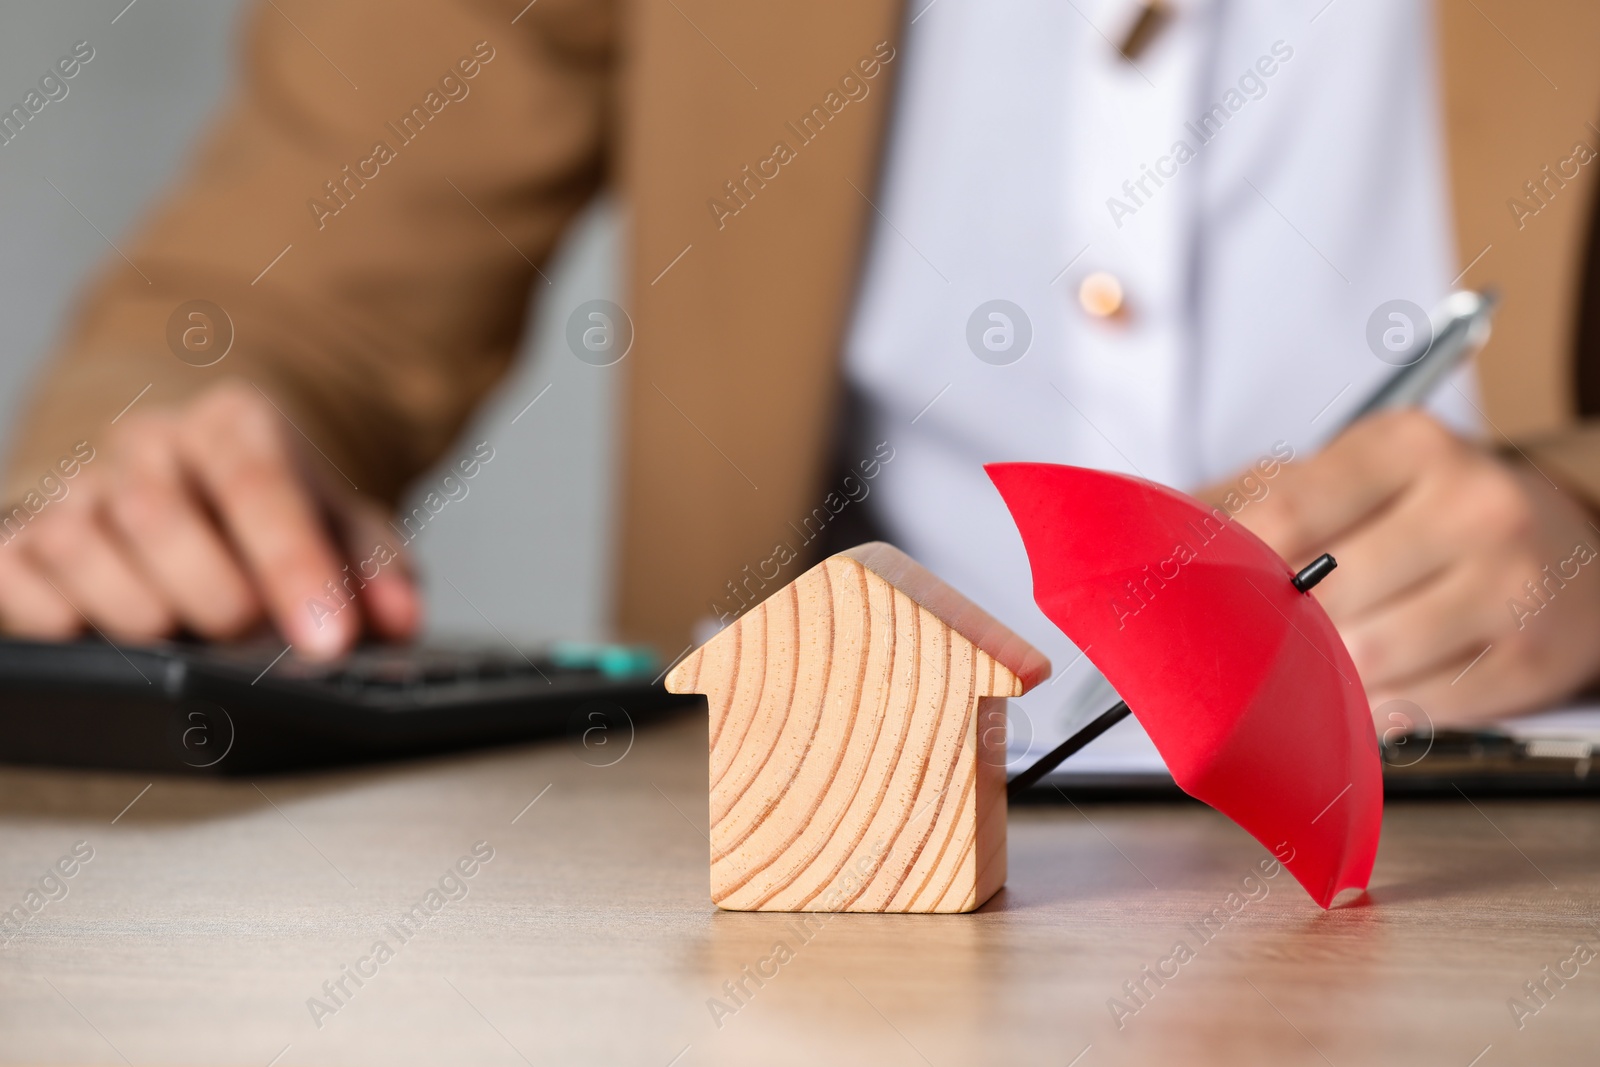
pixel 1192 212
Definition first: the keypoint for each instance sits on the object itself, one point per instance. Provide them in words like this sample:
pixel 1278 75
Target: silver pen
pixel 1459 328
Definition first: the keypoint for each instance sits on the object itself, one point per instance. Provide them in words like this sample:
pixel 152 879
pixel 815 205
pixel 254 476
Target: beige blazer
pixel 418 159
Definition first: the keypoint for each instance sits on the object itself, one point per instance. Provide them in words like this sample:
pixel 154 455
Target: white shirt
pixel 1313 195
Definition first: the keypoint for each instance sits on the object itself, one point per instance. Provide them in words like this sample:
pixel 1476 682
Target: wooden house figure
pixel 857 725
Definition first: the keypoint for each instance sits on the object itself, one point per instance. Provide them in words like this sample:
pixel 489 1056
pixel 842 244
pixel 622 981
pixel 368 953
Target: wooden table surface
pixel 212 911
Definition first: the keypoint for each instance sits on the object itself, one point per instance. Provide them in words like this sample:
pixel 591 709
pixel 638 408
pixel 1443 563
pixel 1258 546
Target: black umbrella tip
pixel 1314 572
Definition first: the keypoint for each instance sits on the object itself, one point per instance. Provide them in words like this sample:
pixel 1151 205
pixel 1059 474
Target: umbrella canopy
pixel 1240 678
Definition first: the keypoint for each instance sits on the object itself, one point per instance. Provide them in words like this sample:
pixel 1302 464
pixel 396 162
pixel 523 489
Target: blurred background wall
pixel 126 126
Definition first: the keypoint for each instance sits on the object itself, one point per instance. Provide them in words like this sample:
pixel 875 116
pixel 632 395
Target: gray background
pixel 528 547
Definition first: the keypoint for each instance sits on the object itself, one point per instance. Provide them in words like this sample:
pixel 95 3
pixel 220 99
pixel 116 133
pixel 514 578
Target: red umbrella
pixel 1236 673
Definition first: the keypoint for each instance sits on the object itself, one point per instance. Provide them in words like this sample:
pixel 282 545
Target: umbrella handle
pixel 1025 780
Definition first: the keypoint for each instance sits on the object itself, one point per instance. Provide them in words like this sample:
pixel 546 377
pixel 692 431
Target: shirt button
pixel 1100 294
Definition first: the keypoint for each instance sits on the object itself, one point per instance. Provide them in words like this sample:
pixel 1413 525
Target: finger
pixel 1465 692
pixel 81 561
pixel 175 542
pixel 1474 507
pixel 235 448
pixel 382 572
pixel 1359 473
pixel 1400 548
pixel 1450 617
pixel 29 607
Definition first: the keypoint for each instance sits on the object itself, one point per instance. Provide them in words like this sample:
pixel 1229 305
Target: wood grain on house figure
pixel 858 742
